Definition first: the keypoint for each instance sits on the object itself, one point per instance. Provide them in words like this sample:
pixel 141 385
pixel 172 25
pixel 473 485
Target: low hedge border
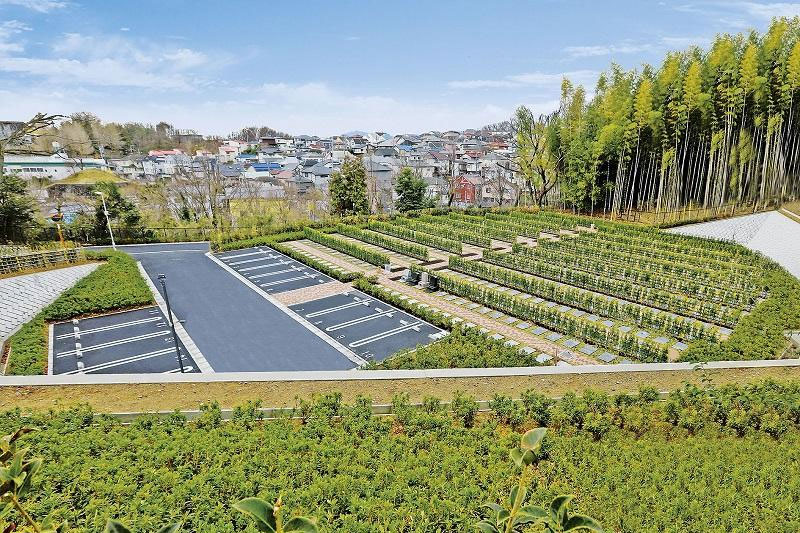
pixel 114 285
pixel 344 277
pixel 347 247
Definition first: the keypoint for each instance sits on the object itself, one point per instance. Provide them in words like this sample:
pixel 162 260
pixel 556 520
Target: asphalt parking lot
pixel 371 328
pixel 272 271
pixel 131 342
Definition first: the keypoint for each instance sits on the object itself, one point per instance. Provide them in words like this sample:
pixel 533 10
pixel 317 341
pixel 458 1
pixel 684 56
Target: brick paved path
pixel 314 292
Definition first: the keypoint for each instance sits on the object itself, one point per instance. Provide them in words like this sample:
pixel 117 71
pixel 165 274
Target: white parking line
pixel 337 308
pixel 287 280
pixel 379 336
pixel 279 263
pixel 241 255
pixel 123 361
pixel 284 271
pixel 108 328
pixel 115 343
pixel 360 320
pixel 243 261
pixel 349 354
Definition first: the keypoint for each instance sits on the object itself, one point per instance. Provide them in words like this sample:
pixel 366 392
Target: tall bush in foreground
pixel 514 517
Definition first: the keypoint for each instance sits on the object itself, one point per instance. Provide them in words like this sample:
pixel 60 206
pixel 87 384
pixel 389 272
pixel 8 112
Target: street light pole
pixel 163 279
pixel 108 220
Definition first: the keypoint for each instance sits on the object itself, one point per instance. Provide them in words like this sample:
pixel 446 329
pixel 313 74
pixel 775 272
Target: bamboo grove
pixel 708 128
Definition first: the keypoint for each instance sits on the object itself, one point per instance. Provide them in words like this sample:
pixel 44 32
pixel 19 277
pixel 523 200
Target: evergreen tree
pixel 17 210
pixel 410 190
pixel 121 211
pixel 348 189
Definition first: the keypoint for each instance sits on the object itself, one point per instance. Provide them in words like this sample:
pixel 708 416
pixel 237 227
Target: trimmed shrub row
pixel 676 326
pixel 378 239
pixel 404 232
pixel 347 247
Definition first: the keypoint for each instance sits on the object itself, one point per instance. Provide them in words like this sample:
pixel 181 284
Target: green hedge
pixel 346 247
pixel 614 339
pixel 263 240
pixel 403 232
pixel 378 239
pixel 649 296
pixel 315 263
pixel 463 348
pixel 684 328
pixel 635 464
pixel 760 334
pixel 116 284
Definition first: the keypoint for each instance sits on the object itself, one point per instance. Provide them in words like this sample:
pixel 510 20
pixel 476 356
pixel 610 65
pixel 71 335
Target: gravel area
pixel 772 233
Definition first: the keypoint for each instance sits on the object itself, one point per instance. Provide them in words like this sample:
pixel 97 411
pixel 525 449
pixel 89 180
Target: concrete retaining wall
pixel 166 392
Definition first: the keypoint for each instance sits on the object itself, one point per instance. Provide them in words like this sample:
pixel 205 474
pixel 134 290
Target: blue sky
pixel 326 67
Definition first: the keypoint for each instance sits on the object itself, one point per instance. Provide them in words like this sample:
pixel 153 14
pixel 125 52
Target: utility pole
pixel 163 279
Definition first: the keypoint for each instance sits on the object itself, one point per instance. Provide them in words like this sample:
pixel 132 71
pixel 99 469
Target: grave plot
pixel 131 342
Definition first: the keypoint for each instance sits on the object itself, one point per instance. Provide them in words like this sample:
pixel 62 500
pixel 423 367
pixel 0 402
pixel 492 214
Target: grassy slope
pixel 116 284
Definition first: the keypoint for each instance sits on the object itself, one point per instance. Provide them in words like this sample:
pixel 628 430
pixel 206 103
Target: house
pixel 227 153
pixel 187 137
pixel 498 192
pixel 300 184
pixel 467 190
pixel 54 167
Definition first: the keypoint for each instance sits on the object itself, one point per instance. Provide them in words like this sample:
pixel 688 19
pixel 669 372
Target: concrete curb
pixel 183 335
pixel 386 375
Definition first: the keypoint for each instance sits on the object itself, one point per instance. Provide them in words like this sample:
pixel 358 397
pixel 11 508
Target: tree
pixel 534 160
pixel 23 133
pixel 410 190
pixel 17 210
pixel 120 210
pixel 348 189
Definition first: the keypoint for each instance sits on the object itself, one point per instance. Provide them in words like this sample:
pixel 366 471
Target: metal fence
pixel 10 264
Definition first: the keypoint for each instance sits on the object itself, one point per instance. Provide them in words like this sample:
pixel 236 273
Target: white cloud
pixel 770 10
pixel 686 42
pixel 102 72
pixel 8 29
pixel 124 29
pixel 108 60
pixel 606 49
pixel 538 79
pixel 42 6
pixel 184 58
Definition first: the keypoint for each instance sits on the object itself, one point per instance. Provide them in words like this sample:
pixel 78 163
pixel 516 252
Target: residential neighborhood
pixel 460 169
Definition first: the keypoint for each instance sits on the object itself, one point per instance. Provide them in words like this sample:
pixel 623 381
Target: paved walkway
pixel 22 297
pixel 772 233
pixel 314 292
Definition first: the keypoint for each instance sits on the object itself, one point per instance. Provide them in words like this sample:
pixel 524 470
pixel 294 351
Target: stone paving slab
pixel 22 297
